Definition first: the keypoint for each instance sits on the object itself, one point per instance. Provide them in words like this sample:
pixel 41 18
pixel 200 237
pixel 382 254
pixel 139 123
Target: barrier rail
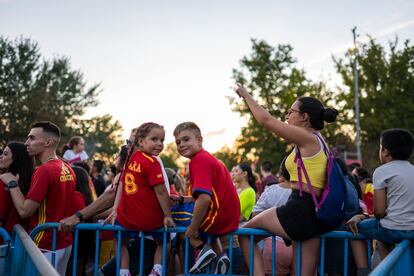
pixel 345 236
pixel 5 249
pixel 399 262
pixel 27 259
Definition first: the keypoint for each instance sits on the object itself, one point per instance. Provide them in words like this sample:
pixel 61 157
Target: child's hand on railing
pixel 169 222
pixel 111 218
pixel 353 223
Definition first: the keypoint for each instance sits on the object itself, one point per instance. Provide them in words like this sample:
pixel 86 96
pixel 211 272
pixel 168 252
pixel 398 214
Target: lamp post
pixel 356 100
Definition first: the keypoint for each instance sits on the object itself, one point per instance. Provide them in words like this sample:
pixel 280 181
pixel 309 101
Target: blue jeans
pixel 371 228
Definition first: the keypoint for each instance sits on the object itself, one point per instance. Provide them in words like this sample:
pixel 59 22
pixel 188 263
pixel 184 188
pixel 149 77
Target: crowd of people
pixel 211 201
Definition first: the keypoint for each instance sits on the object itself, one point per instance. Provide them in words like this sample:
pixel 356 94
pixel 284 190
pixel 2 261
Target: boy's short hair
pixel 267 166
pixel 399 142
pixel 48 127
pixel 187 126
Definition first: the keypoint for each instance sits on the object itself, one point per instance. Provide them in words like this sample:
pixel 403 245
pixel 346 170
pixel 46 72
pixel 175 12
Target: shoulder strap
pixel 301 166
pixel 331 159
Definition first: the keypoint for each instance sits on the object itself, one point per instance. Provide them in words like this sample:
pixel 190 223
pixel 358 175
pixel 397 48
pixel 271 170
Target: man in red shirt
pixel 217 206
pixel 51 192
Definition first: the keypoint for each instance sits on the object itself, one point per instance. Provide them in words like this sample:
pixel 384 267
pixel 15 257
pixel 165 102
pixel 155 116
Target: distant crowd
pixel 138 193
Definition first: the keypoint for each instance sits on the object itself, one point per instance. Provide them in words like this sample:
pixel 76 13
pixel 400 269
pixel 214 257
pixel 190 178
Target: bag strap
pixel 331 159
pixel 301 167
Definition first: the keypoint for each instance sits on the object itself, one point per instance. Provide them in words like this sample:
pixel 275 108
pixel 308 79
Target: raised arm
pixel 291 133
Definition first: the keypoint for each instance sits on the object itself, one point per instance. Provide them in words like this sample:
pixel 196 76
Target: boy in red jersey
pixel 51 192
pixel 217 205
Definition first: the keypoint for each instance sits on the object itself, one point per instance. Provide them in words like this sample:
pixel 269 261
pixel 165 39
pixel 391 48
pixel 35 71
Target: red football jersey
pixel 8 213
pixel 139 208
pixel 53 186
pixel 209 175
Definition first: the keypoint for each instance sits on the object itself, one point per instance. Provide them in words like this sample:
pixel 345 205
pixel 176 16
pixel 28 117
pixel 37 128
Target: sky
pixel 171 61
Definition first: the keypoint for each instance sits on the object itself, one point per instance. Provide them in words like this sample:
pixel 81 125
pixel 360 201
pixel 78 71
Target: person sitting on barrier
pixel 297 219
pixel 244 180
pixel 275 195
pixel 142 201
pixel 74 151
pixel 217 207
pixel 51 193
pixel 16 160
pixel 393 197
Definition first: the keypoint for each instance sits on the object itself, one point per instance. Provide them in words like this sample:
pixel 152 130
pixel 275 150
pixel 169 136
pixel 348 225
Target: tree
pixel 271 74
pixel 33 89
pixel 228 156
pixel 170 156
pixel 386 84
pixel 103 136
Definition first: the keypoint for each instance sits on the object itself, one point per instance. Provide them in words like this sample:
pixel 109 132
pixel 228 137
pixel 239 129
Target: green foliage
pixel 170 156
pixel 103 136
pixel 32 89
pixel 386 84
pixel 229 157
pixel 272 76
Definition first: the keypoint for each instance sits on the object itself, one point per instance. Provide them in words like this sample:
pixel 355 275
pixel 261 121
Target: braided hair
pixel 138 133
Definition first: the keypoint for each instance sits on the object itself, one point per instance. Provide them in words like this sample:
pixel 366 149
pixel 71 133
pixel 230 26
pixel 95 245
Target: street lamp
pixel 356 100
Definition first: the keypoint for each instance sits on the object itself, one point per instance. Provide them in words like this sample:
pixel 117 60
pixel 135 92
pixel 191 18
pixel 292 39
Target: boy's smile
pixel 188 144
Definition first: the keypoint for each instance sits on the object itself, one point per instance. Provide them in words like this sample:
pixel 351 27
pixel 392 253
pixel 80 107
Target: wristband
pixel 12 184
pixel 79 215
pixel 181 200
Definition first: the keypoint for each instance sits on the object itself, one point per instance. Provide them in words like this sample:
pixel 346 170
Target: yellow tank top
pixel 315 167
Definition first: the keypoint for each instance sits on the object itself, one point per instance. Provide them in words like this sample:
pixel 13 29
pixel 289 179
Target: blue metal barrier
pixel 345 236
pixel 5 249
pixel 27 259
pixel 399 262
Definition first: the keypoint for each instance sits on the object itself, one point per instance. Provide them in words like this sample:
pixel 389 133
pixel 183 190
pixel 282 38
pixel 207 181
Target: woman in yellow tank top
pixel 296 220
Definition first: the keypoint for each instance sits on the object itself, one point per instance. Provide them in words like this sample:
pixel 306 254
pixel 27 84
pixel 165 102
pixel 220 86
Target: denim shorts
pixel 371 228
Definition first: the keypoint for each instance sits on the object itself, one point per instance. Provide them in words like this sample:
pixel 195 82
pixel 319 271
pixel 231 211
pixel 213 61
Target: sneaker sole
pixel 200 264
pixel 222 264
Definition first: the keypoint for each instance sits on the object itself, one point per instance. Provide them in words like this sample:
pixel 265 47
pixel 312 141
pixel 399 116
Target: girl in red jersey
pixel 15 160
pixel 142 200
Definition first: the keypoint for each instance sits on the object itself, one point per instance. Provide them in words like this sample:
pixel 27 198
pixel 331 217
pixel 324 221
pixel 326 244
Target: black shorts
pixel 298 217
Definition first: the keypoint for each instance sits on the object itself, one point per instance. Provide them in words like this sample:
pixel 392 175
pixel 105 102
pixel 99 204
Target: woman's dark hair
pixel 22 164
pixel 363 174
pixel 318 114
pixel 83 164
pixel 283 171
pixel 82 184
pixel 250 177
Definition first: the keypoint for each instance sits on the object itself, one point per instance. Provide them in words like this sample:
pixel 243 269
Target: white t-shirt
pixel 273 196
pixel 164 174
pixel 398 178
pixel 73 157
